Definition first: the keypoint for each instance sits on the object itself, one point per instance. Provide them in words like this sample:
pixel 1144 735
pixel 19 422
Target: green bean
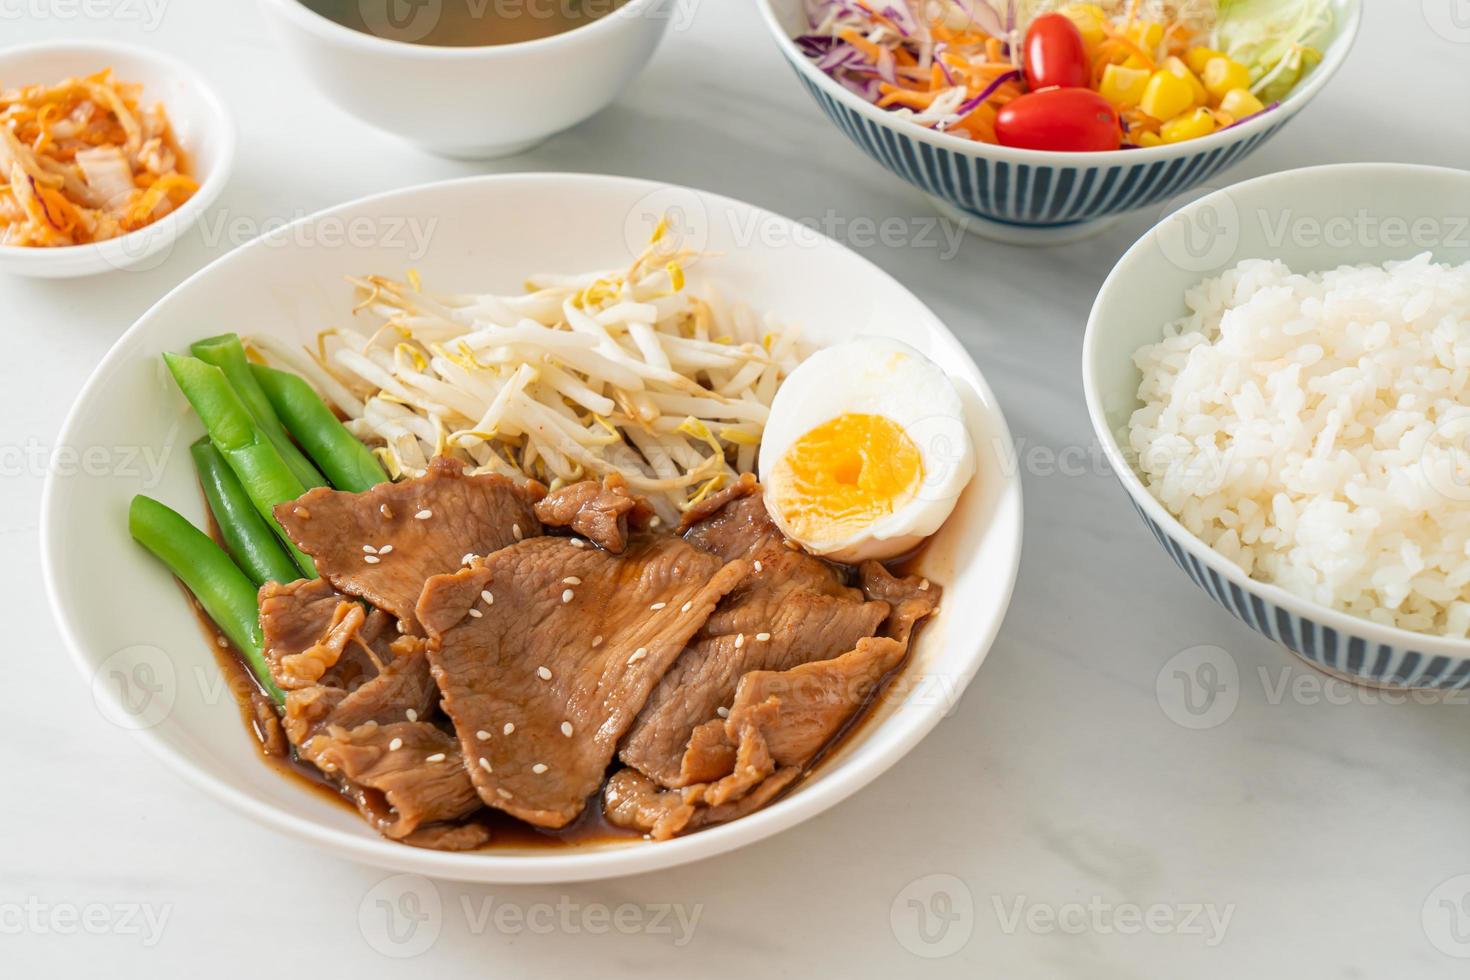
pixel 228 354
pixel 221 588
pixel 346 462
pixel 266 478
pixel 248 538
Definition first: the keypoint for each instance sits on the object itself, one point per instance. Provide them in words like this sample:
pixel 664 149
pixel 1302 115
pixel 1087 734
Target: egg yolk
pixel 845 475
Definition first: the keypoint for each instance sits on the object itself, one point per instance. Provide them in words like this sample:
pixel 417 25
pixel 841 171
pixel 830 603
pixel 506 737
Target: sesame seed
pixel 739 640
pixel 302 513
pixel 763 637
pixel 482 735
pixel 578 543
pixel 655 521
pixel 571 580
pixel 924 586
pixel 330 766
pixel 369 549
pixel 504 793
pixel 386 549
pixel 411 715
pixel 221 641
pixel 510 726
pixel 489 599
pixel 638 655
pixel 371 559
pixel 516 530
pixel 395 745
pixel 566 729
pixel 467 558
pixel 543 673
pixel 539 768
pixel 475 613
pixel 485 764
pixel 758 565
pixel 386 511
pixel 436 757
pixel 597 640
pixel 402 627
pixel 423 515
pixel 566 595
pixel 657 606
pixel 722 711
pixel 686 607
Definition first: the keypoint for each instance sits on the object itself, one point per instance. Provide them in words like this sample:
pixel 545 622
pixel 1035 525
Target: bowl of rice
pixel 1279 374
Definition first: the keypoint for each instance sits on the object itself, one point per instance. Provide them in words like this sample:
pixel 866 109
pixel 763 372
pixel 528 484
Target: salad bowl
pixel 501 229
pixel 1034 197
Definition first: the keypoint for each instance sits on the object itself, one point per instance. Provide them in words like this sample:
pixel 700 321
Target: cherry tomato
pixel 1064 119
pixel 1056 56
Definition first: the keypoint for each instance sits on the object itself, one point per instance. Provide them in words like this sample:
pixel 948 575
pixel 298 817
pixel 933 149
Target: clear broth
pixel 463 23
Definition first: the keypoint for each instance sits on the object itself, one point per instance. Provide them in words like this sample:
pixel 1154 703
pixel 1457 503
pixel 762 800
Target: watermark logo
pixel 677 216
pixel 1445 458
pixel 401 20
pixel 1446 917
pixel 1100 917
pixel 147 14
pixel 1450 19
pixel 1199 688
pixel 933 916
pixel 401 917
pixel 1200 230
pixel 136 687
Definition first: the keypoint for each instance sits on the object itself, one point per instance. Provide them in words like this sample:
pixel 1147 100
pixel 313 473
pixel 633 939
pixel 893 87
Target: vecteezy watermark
pixel 147 14
pixel 682 220
pixel 1200 688
pixel 1446 917
pixel 411 21
pixel 1202 232
pixel 933 916
pixel 1100 917
pixel 34 458
pixel 1450 19
pixel 37 917
pixel 221 230
pixel 136 687
pixel 403 916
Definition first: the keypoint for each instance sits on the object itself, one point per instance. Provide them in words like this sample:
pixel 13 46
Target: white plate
pixel 131 630
pixel 201 124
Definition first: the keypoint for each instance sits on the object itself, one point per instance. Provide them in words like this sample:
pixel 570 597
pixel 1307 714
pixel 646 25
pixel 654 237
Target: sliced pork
pixel 384 544
pixel 545 652
pixel 792 609
pixel 601 512
pixel 365 720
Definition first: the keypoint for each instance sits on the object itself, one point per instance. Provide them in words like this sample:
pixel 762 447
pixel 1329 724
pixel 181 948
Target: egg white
pixel 876 376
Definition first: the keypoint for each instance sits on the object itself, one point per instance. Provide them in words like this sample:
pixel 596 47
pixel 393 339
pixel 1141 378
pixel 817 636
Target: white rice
pixel 1315 430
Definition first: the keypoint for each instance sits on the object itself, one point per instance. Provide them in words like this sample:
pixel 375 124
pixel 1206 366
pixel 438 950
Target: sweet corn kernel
pixel 1147 34
pixel 1239 103
pixel 1222 75
pixel 1123 87
pixel 1166 96
pixel 1192 125
pixel 1197 58
pixel 1178 67
pixel 1148 139
pixel 1089 18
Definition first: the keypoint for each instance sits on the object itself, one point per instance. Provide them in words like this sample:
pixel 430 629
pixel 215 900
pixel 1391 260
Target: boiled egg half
pixel 865 452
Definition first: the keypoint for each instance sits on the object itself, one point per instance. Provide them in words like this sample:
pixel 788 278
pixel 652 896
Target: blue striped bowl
pixel 1034 197
pixel 1258 219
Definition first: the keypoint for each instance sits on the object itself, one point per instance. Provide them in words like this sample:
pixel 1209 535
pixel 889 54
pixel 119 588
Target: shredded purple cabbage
pixel 969 105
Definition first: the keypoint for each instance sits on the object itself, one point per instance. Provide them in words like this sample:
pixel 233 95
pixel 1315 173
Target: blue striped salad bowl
pixel 1314 220
pixel 1032 197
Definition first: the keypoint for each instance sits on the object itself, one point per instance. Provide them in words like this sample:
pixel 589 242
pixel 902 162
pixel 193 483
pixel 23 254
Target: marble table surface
pixel 1071 818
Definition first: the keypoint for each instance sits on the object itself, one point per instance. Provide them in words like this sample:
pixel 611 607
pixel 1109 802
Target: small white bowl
pixel 1313 219
pixel 201 123
pixel 123 617
pixel 471 102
